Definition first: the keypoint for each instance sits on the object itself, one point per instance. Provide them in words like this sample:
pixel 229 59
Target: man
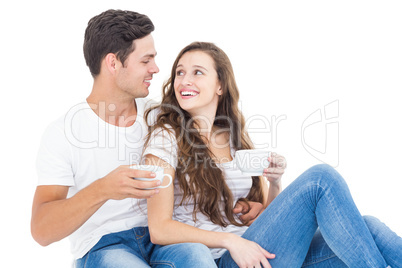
pixel 86 188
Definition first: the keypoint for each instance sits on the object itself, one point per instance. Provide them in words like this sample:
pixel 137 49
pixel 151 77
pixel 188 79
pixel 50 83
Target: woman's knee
pixel 325 174
pixel 322 168
pixel 373 224
pixel 370 220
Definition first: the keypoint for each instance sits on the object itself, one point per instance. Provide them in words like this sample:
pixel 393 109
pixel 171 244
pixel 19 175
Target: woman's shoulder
pixel 165 131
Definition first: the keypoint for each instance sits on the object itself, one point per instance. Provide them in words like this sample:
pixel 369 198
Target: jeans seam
pixel 86 258
pixel 320 260
pixel 138 236
pixel 345 230
pixel 163 262
pixel 337 214
pixel 314 208
pixel 140 245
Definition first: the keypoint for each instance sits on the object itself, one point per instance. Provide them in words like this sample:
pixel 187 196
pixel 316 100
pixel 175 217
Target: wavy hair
pixel 205 184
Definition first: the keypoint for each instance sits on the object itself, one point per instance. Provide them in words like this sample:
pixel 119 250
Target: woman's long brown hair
pixel 205 185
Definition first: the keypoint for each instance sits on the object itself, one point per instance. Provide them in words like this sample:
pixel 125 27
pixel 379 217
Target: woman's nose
pixel 187 80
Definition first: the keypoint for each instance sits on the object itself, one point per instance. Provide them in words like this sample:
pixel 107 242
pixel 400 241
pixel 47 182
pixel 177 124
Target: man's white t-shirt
pixel 78 149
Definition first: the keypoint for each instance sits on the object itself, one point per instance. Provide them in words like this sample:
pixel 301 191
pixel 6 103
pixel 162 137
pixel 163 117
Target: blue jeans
pixel 315 223
pixel 133 248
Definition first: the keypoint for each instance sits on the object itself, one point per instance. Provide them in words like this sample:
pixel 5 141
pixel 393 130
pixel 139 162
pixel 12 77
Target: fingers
pixel 276 167
pixel 263 262
pixel 144 185
pixel 238 208
pixel 250 210
pixel 143 194
pixel 241 207
pixel 277 160
pixel 273 173
pixel 143 174
pixel 255 210
pixel 267 255
pixel 136 173
pixel 121 183
pixel 250 222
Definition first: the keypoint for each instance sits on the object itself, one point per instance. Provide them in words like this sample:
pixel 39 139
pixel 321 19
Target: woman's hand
pixel 276 168
pixel 247 253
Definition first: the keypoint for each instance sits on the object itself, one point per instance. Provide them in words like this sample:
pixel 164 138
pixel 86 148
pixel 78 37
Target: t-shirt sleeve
pixel 162 144
pixel 54 159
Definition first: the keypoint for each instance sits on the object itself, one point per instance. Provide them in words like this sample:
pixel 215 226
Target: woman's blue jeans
pixel 133 248
pixel 320 198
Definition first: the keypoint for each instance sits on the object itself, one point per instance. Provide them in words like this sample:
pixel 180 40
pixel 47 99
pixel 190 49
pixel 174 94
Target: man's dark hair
pixel 113 31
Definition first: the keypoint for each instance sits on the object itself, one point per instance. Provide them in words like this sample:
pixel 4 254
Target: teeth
pixel 188 93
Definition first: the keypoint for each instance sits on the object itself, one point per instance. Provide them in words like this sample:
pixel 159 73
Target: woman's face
pixel 196 84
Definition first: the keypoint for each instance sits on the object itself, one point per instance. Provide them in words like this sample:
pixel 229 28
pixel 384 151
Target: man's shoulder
pixel 73 114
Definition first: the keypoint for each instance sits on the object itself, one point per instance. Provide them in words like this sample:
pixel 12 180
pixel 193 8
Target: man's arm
pixel 54 216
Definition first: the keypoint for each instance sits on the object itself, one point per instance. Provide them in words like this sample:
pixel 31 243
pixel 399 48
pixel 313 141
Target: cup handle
pixel 170 182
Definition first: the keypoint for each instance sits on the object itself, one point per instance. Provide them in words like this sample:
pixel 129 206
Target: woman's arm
pixel 274 175
pixel 251 210
pixel 164 230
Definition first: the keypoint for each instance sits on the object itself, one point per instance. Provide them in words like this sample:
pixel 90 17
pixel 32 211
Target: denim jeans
pixel 133 248
pixel 315 223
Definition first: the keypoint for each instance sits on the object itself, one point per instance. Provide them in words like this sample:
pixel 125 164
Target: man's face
pixel 135 76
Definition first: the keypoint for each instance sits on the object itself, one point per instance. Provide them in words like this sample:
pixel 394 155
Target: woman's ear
pixel 219 91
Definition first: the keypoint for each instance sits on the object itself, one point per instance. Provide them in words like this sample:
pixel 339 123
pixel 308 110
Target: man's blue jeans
pixel 133 248
pixel 320 198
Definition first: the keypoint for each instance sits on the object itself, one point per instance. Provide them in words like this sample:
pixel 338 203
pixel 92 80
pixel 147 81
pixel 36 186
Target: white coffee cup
pixel 157 170
pixel 252 162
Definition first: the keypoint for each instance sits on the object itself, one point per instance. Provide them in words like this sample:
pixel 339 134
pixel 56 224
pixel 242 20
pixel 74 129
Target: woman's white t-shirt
pixel 163 144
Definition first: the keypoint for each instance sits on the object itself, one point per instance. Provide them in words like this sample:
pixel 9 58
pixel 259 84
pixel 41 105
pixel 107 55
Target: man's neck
pixel 114 108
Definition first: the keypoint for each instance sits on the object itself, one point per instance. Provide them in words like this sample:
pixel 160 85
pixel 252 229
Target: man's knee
pixel 112 257
pixel 196 254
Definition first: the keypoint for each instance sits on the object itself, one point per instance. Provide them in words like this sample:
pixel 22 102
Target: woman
pixel 198 129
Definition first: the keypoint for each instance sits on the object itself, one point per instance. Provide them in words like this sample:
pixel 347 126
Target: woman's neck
pixel 204 125
pixel 205 122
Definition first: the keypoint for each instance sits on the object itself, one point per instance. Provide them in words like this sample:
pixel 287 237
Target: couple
pixel 212 215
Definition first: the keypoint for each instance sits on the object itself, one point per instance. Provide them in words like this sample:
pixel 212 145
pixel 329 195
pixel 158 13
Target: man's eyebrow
pixel 150 55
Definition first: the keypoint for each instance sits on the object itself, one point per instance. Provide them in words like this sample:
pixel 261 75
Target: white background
pixel 291 58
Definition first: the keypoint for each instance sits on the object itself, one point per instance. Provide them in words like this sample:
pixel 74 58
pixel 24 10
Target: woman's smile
pixel 188 93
